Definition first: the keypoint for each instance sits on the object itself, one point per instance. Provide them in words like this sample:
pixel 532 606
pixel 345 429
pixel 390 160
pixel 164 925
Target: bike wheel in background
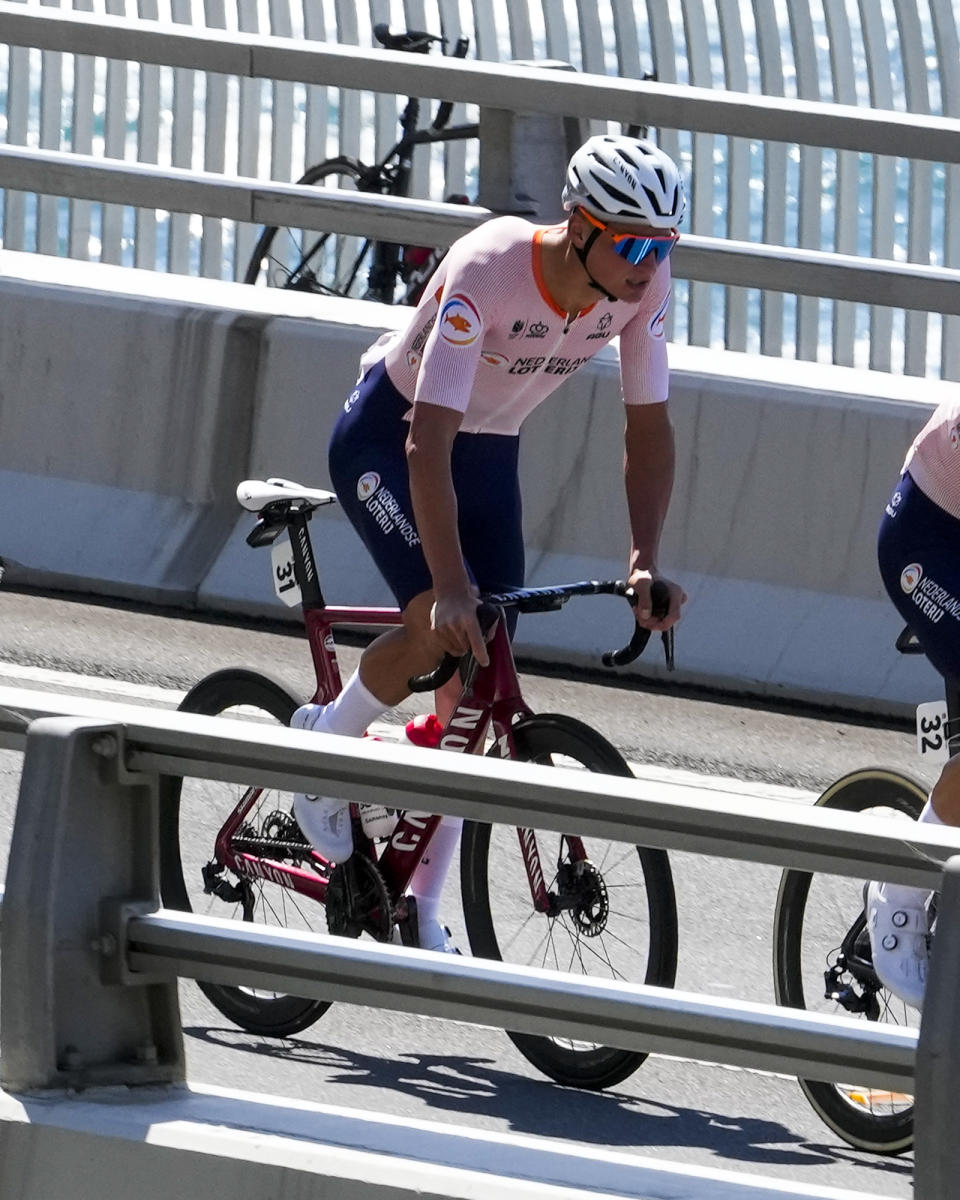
pixel 612 917
pixel 305 260
pixel 821 950
pixel 192 813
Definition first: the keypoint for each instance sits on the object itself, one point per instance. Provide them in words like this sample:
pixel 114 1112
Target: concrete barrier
pixel 134 402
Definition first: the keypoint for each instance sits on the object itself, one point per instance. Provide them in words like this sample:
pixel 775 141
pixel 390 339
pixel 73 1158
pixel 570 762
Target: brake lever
pixel 659 607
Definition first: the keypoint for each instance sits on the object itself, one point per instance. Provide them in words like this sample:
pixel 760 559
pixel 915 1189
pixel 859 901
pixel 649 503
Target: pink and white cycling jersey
pixel 488 340
pixel 934 458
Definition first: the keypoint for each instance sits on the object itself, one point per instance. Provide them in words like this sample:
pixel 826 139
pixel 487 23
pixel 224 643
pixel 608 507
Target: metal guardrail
pixel 515 87
pixel 704 259
pixel 108 942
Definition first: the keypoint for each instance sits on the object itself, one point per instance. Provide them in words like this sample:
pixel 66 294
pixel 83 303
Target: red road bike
pixel 530 897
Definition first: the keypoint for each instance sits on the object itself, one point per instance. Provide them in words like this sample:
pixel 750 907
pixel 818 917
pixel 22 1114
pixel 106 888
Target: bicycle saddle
pixel 256 494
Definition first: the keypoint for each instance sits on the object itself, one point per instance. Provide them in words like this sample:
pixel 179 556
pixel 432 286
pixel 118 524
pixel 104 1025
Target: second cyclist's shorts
pixel 368 467
pixel 919 554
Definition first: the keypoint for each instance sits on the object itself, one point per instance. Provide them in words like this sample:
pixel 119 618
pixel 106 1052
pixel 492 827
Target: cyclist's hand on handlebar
pixel 454 619
pixel 641 582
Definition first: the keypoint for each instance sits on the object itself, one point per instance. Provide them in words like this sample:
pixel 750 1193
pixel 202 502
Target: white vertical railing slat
pixel 919 207
pixel 945 18
pixel 736 306
pixel 81 141
pixel 774 172
pixel 701 295
pixel 215 124
pixel 811 174
pixel 148 146
pixel 884 175
pixel 846 216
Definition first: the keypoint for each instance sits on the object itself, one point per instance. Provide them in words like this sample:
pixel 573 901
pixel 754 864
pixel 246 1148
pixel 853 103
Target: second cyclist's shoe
pixel 899 942
pixel 325 823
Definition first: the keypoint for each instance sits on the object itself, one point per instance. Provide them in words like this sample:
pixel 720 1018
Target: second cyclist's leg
pixel 913 530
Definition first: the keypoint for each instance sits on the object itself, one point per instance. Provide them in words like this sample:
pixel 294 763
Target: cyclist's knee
pixel 946 793
pixel 418 626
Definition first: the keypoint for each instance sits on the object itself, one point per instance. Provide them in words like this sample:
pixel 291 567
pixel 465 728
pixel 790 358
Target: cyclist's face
pixel 611 253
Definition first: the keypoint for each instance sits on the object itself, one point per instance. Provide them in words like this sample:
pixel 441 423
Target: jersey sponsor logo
pixel 891 508
pixel 367 484
pixel 563 366
pixel 493 358
pixel 527 366
pixel 933 600
pixel 603 328
pixel 537 330
pixel 459 321
pixel 955 436
pixel 413 359
pixel 656 322
pixel 517 329
pixel 351 400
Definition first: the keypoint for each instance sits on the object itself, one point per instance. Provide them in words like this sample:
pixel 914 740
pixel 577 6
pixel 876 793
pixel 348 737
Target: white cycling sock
pixel 902 893
pixel 431 874
pixel 349 714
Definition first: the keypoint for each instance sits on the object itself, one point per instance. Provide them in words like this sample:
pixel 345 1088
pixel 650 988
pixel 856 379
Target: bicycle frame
pixel 491 697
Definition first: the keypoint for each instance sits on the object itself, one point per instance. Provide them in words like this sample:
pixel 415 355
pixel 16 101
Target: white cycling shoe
pixel 437 937
pixel 325 823
pixel 324 820
pixel 898 932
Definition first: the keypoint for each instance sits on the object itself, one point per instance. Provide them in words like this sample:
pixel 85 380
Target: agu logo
pixel 910 576
pixel 459 321
pixel 367 484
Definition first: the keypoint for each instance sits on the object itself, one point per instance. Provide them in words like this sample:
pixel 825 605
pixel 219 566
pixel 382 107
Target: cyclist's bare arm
pixel 429 449
pixel 648 477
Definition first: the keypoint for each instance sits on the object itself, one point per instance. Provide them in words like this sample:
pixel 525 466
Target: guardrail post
pixel 523 157
pixel 83 854
pixel 936 1147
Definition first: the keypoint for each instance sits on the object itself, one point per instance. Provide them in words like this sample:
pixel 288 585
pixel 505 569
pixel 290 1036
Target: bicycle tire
pixel 502 925
pixel 327 264
pixel 881 1123
pixel 187 837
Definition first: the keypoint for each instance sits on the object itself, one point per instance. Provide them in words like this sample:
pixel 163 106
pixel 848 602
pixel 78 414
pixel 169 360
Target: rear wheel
pixel 192 813
pixel 822 962
pixel 611 914
pixel 310 260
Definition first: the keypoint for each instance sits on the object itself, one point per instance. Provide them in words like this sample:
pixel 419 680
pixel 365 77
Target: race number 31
pixel 284 580
pixel 932 731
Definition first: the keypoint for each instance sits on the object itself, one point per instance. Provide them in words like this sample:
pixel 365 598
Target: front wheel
pixel 822 962
pixel 611 910
pixel 305 260
pixel 192 879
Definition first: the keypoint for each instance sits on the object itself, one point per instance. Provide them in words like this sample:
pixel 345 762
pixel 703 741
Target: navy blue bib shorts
pixel 368 468
pixel 919 555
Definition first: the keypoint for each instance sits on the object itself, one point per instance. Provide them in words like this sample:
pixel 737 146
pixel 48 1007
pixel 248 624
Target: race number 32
pixel 932 731
pixel 284 580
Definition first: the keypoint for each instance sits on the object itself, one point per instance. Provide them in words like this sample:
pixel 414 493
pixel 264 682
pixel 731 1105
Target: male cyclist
pixel 919 552
pixel 430 436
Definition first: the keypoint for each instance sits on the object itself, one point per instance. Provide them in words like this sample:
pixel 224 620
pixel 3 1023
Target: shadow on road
pixel 472 1085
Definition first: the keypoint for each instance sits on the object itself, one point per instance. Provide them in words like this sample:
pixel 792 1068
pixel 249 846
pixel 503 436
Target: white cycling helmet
pixel 626 180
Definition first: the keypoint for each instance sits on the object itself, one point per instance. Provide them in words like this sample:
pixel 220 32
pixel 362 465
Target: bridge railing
pixel 90 971
pixel 778 182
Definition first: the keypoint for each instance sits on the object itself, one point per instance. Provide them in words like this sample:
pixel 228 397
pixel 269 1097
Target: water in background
pixel 699 150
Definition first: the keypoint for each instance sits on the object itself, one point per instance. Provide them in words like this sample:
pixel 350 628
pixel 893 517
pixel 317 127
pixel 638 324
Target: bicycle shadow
pixel 462 1084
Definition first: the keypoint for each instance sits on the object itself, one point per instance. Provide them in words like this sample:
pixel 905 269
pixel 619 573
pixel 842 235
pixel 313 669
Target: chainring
pixel 358 900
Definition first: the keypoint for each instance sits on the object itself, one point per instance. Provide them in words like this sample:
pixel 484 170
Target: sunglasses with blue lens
pixel 635 249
